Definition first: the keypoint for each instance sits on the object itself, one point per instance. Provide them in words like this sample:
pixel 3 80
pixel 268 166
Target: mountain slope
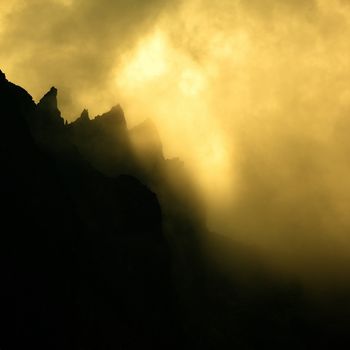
pixel 83 258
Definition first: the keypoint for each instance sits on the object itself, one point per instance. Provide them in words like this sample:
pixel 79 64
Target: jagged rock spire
pixel 49 100
pixel 147 143
pixel 114 117
pixel 47 107
pixel 117 109
pixel 115 112
pixel 2 76
pixel 84 118
pixel 84 115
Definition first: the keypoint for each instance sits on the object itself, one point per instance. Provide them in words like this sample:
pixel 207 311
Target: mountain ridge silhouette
pixel 104 245
pixel 61 216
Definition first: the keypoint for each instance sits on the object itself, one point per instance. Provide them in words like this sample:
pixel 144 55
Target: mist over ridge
pixel 105 244
pixel 252 96
pixel 174 174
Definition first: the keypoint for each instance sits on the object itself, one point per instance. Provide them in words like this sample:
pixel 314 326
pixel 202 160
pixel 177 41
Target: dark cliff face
pixel 101 247
pixel 85 237
pixel 103 141
pixel 47 110
pixel 83 259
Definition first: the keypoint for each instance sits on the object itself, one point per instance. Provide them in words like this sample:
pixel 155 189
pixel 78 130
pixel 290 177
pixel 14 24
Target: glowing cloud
pixel 252 95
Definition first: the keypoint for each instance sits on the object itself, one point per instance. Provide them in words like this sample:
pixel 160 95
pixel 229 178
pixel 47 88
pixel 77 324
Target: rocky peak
pixel 47 108
pixel 113 118
pixel 147 126
pixel 84 115
pixel 2 76
pixel 49 100
pixel 147 143
pixel 84 118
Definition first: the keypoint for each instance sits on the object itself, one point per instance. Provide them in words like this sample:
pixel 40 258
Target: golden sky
pixel 254 96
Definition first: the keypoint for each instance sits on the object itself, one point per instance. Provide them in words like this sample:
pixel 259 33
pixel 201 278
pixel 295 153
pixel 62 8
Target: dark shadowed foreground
pixel 102 247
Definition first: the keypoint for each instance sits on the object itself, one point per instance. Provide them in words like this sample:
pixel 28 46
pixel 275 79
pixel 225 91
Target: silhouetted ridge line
pixel 48 110
pixel 82 254
pixel 103 245
pixel 2 76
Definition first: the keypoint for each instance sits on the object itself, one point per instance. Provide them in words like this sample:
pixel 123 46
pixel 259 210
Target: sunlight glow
pixel 149 62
